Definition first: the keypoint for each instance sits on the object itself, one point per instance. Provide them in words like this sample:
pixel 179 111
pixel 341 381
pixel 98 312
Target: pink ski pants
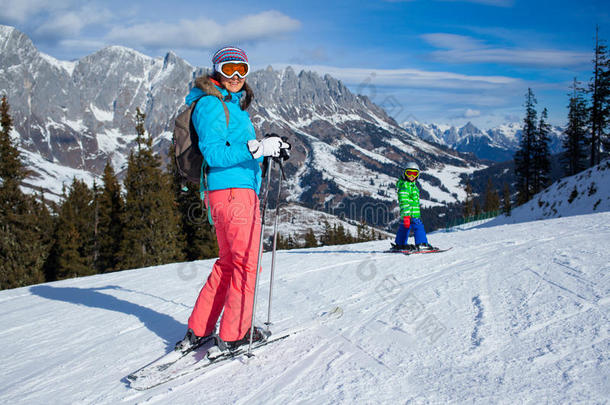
pixel 230 285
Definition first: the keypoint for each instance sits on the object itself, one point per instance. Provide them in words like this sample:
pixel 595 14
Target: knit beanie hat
pixel 229 53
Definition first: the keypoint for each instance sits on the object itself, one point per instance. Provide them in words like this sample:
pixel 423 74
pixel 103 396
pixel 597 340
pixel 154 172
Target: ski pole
pixel 267 172
pixel 277 214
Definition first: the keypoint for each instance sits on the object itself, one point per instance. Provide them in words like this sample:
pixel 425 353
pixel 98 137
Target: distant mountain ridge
pixel 70 117
pixel 497 144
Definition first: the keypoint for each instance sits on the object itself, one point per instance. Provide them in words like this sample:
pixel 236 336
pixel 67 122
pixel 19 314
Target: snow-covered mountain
pixel 497 144
pixel 347 151
pixel 516 313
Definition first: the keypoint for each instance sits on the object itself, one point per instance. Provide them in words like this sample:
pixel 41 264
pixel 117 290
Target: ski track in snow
pixel 512 314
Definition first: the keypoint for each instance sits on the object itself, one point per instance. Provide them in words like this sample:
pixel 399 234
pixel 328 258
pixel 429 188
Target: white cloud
pixel 452 41
pixel 204 32
pixel 21 10
pixel 497 3
pixel 367 79
pixel 53 20
pixel 470 113
pixel 70 23
pixel 464 49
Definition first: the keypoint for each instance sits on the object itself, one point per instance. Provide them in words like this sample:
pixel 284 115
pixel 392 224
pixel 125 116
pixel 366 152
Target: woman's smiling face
pixel 234 84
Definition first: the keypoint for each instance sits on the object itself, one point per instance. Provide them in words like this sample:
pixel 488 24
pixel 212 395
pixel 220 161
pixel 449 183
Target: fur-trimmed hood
pixel 208 86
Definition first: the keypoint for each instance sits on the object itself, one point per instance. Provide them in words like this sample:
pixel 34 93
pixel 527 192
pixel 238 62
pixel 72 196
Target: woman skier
pixel 232 154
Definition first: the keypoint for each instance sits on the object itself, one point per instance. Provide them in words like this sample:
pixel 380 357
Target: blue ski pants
pixel 402 236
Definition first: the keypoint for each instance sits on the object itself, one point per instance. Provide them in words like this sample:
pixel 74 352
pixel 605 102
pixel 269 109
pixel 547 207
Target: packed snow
pixel 512 314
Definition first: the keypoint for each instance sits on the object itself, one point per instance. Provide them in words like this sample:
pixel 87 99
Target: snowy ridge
pixel 576 195
pixel 59 64
pixel 512 314
pixel 498 143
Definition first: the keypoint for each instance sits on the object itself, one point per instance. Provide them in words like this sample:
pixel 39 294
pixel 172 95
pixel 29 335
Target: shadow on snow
pixel 165 326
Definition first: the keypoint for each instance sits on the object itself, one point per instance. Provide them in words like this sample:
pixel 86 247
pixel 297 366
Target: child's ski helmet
pixel 410 166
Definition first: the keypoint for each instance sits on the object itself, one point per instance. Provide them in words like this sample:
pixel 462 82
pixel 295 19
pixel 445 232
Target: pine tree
pixel 574 152
pixel 343 237
pixel 151 232
pixel 44 220
pixel 492 199
pixel 541 160
pixel 110 208
pixel 469 202
pixel 599 88
pixel 524 156
pixel 506 204
pixel 74 236
pixel 12 171
pixel 22 247
pixel 477 208
pixel 199 236
pixel 362 232
pixel 327 237
pixel 310 239
pixel 286 243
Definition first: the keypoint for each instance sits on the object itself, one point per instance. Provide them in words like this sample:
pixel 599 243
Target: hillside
pixel 512 314
pixel 583 193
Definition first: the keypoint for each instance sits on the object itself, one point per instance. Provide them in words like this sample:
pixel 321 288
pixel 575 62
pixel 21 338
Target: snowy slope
pixel 513 314
pixel 583 193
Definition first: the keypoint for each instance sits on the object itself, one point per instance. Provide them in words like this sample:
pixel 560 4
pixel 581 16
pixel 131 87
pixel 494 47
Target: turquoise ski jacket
pixel 224 149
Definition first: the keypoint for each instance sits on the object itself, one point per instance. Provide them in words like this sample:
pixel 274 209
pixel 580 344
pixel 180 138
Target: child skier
pixel 408 200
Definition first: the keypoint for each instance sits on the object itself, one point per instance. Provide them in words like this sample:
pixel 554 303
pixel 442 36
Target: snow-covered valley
pixel 512 314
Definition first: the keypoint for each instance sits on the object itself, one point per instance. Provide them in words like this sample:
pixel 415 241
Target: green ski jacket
pixel 408 198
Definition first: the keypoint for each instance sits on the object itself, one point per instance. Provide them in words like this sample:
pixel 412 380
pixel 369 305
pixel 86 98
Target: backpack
pixel 189 159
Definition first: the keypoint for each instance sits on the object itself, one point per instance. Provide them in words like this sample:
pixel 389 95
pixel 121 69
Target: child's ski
pixel 417 252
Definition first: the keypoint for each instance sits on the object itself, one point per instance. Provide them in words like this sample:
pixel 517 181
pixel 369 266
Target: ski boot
pixel 401 248
pixel 190 342
pixel 258 335
pixel 398 248
pixel 425 247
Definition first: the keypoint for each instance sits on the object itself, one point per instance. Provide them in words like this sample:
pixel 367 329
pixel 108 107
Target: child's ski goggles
pixel 411 173
pixel 231 68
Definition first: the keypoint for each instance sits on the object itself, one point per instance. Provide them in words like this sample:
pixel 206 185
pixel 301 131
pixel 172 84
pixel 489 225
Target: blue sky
pixel 443 61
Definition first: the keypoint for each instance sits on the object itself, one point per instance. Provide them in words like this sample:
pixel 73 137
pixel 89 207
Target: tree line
pixel 585 142
pixel 335 234
pixel 100 229
pixel 151 220
pixel 586 137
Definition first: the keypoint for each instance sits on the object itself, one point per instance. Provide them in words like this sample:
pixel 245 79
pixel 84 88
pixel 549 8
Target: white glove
pixel 269 146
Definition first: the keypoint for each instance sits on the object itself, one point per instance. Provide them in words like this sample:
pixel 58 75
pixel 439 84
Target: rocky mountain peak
pixel 77 115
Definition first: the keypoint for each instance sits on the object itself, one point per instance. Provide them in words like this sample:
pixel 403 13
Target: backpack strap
pixel 205 168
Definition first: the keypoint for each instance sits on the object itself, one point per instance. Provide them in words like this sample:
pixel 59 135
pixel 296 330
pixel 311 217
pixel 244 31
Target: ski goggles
pixel 231 68
pixel 411 173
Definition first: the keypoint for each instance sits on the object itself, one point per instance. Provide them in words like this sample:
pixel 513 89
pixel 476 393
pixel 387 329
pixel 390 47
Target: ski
pixel 409 252
pixel 417 252
pixel 175 364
